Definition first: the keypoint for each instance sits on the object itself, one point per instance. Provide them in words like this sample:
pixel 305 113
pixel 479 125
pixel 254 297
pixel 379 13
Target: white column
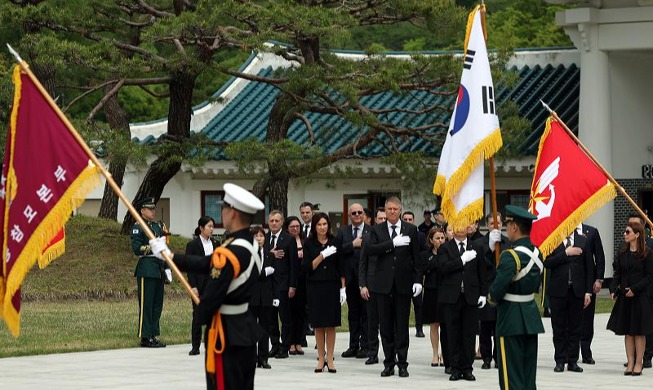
pixel 595 120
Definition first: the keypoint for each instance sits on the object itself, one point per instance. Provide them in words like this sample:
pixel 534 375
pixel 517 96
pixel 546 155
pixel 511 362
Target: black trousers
pixel 298 314
pixel 566 321
pixel 394 312
pixel 587 329
pixel 417 306
pixel 195 329
pixel 239 366
pixel 283 313
pixel 488 341
pixel 373 325
pixel 356 316
pixel 648 352
pixel 461 322
pixel 264 315
pixel 444 340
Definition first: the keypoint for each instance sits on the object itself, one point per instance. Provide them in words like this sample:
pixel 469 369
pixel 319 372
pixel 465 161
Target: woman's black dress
pixel 430 269
pixel 322 285
pixel 632 316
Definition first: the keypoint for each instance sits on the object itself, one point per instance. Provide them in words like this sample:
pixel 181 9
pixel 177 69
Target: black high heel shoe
pixel 321 369
pixel 331 370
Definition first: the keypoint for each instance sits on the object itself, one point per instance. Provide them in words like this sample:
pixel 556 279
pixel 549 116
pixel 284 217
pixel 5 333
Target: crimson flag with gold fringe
pixel 46 174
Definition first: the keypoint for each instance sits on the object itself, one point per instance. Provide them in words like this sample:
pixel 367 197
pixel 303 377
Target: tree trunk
pixel 119 124
pixel 167 165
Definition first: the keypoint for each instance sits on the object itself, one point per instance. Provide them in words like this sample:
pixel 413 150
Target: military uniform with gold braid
pixel 518 317
pixel 233 269
pixel 150 277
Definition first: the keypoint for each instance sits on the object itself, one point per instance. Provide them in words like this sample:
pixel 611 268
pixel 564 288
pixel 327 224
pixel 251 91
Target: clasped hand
pixel 401 240
pixel 158 246
pixel 328 251
pixel 468 256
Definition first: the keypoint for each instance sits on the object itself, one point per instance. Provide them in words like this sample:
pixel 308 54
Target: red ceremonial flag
pixel 46 175
pixel 567 188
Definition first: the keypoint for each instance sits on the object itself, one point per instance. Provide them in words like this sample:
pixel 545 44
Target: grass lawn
pixel 86 299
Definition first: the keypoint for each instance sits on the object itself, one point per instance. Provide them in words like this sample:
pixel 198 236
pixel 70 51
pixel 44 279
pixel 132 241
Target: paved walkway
pixel 172 368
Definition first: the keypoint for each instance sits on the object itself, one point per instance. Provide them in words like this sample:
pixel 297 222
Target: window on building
pixel 211 208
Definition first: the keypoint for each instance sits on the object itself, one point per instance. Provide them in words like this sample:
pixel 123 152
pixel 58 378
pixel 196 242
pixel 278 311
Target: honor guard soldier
pixel 518 318
pixel 233 269
pixel 151 273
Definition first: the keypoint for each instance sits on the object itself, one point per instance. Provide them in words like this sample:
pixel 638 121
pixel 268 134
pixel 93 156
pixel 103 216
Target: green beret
pixel 518 213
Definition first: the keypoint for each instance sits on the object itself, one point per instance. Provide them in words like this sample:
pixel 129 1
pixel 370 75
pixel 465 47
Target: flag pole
pixel 25 67
pixel 598 164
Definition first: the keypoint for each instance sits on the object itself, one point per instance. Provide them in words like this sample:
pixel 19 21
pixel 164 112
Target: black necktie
pixel 567 245
pixel 567 242
pixel 306 230
pixel 462 247
pixel 355 233
pixel 272 238
pixel 394 231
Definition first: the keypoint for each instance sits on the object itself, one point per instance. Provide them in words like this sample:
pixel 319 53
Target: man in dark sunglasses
pixel 349 243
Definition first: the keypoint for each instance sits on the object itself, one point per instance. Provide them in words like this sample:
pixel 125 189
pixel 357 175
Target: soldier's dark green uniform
pixel 518 318
pixel 149 278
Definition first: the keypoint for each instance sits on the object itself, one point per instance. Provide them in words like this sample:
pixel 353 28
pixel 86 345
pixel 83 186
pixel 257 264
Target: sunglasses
pixel 628 231
pixel 356 212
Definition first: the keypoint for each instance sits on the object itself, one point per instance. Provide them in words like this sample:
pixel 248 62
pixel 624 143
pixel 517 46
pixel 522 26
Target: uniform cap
pixel 148 203
pixel 519 213
pixel 240 199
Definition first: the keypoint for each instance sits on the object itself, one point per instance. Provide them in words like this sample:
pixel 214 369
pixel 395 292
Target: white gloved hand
pixel 417 289
pixel 343 296
pixel 158 246
pixel 468 256
pixel 275 302
pixel 481 302
pixel 401 240
pixel 328 251
pixel 494 237
pixel 268 271
pixel 168 273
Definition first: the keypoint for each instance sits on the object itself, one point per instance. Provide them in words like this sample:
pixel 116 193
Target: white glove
pixel 268 271
pixel 417 289
pixel 481 302
pixel 168 273
pixel 494 237
pixel 328 251
pixel 159 246
pixel 343 296
pixel 468 256
pixel 275 302
pixel 401 240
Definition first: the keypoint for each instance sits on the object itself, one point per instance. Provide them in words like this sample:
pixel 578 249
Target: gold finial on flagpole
pixel 546 106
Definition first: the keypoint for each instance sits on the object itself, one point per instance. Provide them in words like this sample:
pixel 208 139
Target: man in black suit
pixel 366 271
pixel 306 212
pixel 462 292
pixel 284 249
pixel 570 291
pixel 485 247
pixel 263 300
pixel 595 249
pixel 396 247
pixel 349 242
pixel 202 245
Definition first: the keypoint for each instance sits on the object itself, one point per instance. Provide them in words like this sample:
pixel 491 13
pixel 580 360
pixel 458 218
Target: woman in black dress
pixel 430 315
pixel 325 288
pixel 632 314
pixel 293 225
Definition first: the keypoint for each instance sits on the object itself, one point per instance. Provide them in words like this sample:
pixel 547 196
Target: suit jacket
pixel 482 246
pixel 366 268
pixel 195 247
pixel 431 268
pixel 330 269
pixel 582 269
pixel 285 268
pixel 472 275
pixel 263 291
pixel 349 255
pixel 596 247
pixel 394 266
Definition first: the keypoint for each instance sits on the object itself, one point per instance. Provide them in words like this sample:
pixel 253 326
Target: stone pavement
pixel 172 368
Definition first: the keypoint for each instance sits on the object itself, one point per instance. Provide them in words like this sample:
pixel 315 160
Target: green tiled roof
pixel 246 115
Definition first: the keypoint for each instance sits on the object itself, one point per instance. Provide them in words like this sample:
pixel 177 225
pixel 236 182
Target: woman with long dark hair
pixel 325 288
pixel 430 267
pixel 632 314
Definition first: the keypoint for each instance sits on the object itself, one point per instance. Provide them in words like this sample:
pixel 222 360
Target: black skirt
pixel 632 316
pixel 323 303
pixel 430 309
